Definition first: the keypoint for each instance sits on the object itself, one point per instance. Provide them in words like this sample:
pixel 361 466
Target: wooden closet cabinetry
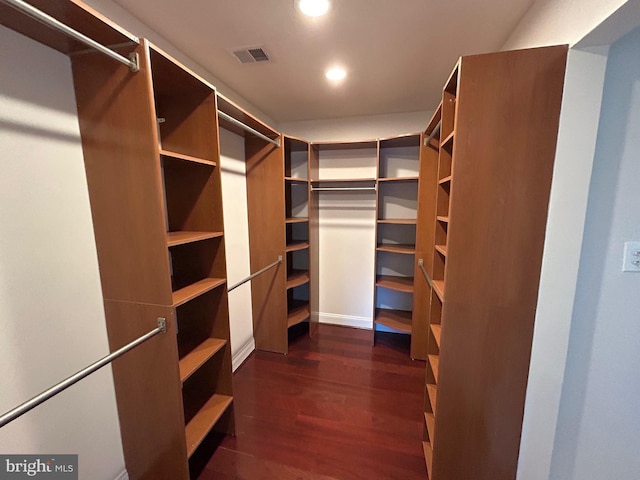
pixel 498 127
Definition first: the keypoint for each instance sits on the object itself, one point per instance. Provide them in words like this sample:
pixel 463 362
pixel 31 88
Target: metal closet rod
pixel 337 189
pixel 424 272
pixel 132 62
pixel 20 410
pixel 247 128
pixel 254 275
pixel 435 130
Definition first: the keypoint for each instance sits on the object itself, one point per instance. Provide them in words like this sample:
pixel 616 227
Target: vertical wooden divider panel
pixel 120 145
pixel 314 239
pixel 266 210
pixel 425 230
pixel 508 107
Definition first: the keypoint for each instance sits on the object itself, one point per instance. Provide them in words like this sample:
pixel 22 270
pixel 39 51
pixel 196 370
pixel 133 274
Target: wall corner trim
pixel 243 353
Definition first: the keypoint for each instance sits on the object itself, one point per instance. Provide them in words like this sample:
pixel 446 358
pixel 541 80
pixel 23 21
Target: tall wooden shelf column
pixel 496 146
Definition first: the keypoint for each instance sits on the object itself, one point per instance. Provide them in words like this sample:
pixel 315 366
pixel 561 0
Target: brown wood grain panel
pixel 147 385
pixel 314 242
pixel 120 148
pixel 267 235
pixel 72 13
pixel 500 187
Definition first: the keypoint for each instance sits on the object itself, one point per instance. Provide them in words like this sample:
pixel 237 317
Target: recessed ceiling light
pixel 313 8
pixel 335 74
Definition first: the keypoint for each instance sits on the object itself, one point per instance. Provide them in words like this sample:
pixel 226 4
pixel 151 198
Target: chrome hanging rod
pixel 254 275
pixel 132 62
pixel 424 272
pixel 247 128
pixel 435 130
pixel 20 410
pixel 338 189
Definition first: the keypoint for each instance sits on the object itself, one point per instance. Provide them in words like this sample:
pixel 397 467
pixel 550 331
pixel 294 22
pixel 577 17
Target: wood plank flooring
pixel 334 408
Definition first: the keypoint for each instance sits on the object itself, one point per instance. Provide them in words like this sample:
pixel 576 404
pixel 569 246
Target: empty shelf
pixel 442 249
pixel 297 278
pixel 445 180
pixel 430 422
pixel 397 248
pixel 180 238
pixel 432 392
pixel 398 221
pixel 186 158
pixel 296 220
pixel 396 319
pixel 443 219
pixel 293 246
pixel 449 139
pixel 434 361
pixel 195 289
pixel 428 457
pixel 398 179
pixel 202 423
pixel 198 356
pixel 298 314
pixel 438 288
pixel 401 284
pixel 436 330
pixel 295 179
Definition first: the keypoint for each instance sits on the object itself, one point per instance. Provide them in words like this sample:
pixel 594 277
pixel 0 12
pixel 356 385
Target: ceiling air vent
pixel 251 55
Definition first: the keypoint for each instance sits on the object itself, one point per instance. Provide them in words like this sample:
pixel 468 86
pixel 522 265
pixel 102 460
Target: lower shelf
pixel 298 314
pixel 428 456
pixel 202 423
pixel 198 356
pixel 434 361
pixel 430 422
pixel 395 319
pixel 432 392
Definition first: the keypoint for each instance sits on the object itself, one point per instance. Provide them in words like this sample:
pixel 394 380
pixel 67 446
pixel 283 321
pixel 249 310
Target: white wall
pixel 51 311
pixel 554 22
pixel 236 234
pixel 358 128
pixel 599 425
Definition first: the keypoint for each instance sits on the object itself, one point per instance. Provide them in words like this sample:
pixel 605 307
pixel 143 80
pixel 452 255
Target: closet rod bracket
pixel 134 58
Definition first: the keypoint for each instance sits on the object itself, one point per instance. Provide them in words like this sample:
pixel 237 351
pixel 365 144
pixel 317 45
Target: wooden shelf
pixel 449 138
pixel 445 180
pixel 443 219
pixel 344 180
pixel 438 287
pixel 298 314
pixel 295 179
pixel 432 392
pixel 400 284
pixel 397 248
pixel 398 179
pixel 297 278
pixel 296 220
pixel 293 246
pixel 180 238
pixel 395 319
pixel 428 457
pixel 434 361
pixel 437 331
pixel 186 158
pixel 198 356
pixel 398 221
pixel 196 289
pixel 442 249
pixel 202 423
pixel 430 422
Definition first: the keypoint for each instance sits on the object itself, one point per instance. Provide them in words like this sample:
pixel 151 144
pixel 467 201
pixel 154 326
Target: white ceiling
pixel 398 53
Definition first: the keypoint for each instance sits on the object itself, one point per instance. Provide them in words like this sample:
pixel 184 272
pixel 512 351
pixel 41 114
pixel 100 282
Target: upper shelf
pixel 186 158
pixel 72 13
pixel 181 237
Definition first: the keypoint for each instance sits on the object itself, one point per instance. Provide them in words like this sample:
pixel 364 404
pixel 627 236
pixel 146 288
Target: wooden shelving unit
pixel 494 108
pixel 186 108
pixel 399 170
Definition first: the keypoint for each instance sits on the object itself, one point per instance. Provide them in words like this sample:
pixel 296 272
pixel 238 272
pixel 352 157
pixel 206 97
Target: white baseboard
pixel 123 476
pixel 243 353
pixel 345 320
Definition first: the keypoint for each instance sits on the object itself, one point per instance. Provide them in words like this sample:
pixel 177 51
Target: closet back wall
pixel 236 233
pixel 51 312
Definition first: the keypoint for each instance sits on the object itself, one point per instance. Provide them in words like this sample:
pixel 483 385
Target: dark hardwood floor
pixel 333 408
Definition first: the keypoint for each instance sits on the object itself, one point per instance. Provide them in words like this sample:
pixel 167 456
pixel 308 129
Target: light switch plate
pixel 631 262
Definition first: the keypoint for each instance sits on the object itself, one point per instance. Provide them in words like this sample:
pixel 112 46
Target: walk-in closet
pixel 319 239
